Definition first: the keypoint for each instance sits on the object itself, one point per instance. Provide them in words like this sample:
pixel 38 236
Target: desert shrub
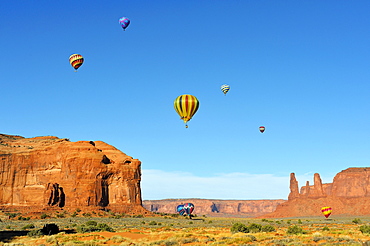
pixel 323 238
pixel 91 223
pixel 29 226
pixel 282 241
pixel 104 227
pixel 365 229
pixel 165 242
pixel 61 215
pixel 267 228
pixel 254 227
pixel 12 215
pixel 356 221
pixel 86 215
pixel 23 218
pixel 325 228
pixel 35 233
pixel 44 216
pixel 299 221
pixel 152 223
pixel 253 238
pixel 239 227
pixel 295 230
pixel 91 226
pixel 118 239
pixel 209 239
pixel 189 240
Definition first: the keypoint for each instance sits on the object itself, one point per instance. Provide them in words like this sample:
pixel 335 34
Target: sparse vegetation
pixel 168 230
pixel 365 229
pixel 356 221
pixel 91 226
pixel 294 229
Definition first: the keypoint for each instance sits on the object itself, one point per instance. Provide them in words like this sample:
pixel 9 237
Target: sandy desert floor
pixel 174 230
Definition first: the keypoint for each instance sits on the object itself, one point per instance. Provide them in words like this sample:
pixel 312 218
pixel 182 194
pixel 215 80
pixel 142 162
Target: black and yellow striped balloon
pixel 76 61
pixel 186 106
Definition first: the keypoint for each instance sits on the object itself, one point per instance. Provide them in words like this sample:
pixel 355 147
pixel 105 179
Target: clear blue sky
pixel 300 68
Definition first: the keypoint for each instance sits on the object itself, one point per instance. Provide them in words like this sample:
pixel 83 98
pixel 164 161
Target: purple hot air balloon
pixel 124 22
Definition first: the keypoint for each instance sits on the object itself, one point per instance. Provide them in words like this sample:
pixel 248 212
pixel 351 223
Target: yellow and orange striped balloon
pixel 76 61
pixel 326 211
pixel 186 106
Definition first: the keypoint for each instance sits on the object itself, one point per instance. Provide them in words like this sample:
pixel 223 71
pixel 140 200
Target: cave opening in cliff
pixel 104 200
pixel 106 160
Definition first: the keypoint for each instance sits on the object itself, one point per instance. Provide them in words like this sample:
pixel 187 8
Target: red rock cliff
pixel 349 194
pixel 48 171
pixel 242 208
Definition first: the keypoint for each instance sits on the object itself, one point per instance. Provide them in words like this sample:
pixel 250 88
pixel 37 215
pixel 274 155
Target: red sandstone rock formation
pixel 53 172
pixel 349 194
pixel 242 208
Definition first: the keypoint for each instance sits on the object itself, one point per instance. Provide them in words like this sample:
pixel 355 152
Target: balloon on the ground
pixel 225 88
pixel 185 209
pixel 76 61
pixel 186 106
pixel 262 129
pixel 326 211
pixel 188 207
pixel 124 22
pixel 180 209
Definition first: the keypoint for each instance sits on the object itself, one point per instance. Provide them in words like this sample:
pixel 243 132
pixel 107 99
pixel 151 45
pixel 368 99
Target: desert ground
pixel 104 228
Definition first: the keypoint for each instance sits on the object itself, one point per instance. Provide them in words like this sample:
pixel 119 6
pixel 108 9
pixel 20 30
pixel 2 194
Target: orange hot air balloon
pixel 262 129
pixel 326 211
pixel 186 106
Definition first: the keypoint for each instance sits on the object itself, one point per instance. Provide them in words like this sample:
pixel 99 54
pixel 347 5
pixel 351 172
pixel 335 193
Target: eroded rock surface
pixel 242 208
pixel 349 194
pixel 54 172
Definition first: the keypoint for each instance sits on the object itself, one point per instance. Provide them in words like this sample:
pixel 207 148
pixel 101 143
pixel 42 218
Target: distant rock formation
pixel 224 208
pixel 53 172
pixel 349 194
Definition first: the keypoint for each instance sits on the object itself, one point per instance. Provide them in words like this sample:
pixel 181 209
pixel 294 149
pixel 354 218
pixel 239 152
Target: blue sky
pixel 300 68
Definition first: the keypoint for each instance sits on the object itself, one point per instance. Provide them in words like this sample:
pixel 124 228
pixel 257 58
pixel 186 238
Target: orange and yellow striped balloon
pixel 76 61
pixel 186 106
pixel 326 211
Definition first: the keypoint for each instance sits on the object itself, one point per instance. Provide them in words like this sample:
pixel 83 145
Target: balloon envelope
pixel 76 60
pixel 262 129
pixel 326 211
pixel 180 209
pixel 186 106
pixel 124 22
pixel 188 207
pixel 225 88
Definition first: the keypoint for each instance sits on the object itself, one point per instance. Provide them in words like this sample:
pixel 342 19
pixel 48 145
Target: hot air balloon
pixel 188 207
pixel 225 88
pixel 186 106
pixel 76 61
pixel 180 209
pixel 326 211
pixel 124 22
pixel 262 129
